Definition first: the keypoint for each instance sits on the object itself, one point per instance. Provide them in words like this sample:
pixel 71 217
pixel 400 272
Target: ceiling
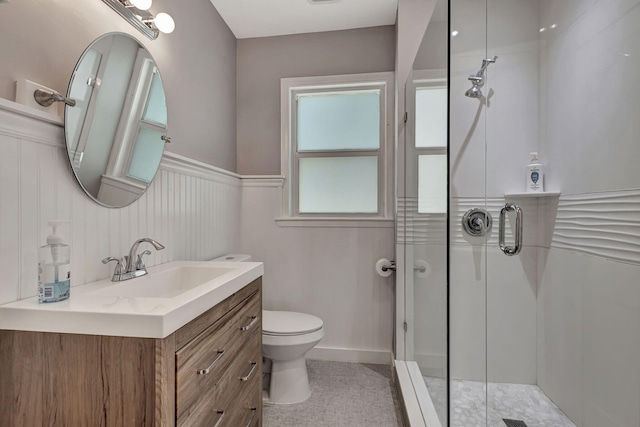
pixel 264 18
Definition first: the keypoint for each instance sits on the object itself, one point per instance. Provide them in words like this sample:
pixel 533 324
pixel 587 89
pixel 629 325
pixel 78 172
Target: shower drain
pixel 514 423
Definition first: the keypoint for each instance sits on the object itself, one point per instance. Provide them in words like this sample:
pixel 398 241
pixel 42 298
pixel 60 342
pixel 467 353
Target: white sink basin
pixel 150 306
pixel 164 284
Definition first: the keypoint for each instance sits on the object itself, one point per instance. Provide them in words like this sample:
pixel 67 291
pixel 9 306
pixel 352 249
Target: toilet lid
pixel 289 323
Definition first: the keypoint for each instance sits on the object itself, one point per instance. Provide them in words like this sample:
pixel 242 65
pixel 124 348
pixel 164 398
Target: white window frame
pixel 289 89
pixel 424 79
pixel 132 119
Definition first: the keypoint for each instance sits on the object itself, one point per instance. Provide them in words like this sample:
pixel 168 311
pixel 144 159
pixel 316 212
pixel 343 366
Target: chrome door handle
pixel 508 250
pixel 206 371
pixel 221 416
pixel 253 368
pixel 253 416
pixel 254 319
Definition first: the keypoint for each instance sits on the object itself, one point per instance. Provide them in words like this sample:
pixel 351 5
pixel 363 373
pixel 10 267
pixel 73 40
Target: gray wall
pixel 41 41
pixel 262 62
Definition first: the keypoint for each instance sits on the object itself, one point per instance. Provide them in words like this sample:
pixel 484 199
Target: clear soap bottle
pixel 54 267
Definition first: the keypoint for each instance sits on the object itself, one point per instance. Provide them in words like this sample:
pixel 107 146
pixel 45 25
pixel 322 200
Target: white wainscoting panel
pixel 191 208
pixel 325 271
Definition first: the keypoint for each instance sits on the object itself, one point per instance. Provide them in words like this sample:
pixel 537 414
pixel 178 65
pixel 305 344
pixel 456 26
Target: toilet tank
pixel 233 258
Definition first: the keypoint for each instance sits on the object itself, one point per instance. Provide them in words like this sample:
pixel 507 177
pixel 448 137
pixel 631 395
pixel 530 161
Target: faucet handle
pixel 140 262
pixel 119 264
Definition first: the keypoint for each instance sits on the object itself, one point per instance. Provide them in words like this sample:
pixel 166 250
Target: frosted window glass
pixel 432 183
pixel 147 154
pixel 349 121
pixel 338 185
pixel 431 117
pixel 156 109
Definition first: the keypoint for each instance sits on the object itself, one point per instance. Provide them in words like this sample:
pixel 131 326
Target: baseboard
pixel 376 357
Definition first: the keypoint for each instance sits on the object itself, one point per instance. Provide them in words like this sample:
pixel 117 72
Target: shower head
pixel 474 92
pixel 477 79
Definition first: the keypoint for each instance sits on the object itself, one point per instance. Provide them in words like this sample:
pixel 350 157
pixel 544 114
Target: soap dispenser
pixel 535 175
pixel 54 267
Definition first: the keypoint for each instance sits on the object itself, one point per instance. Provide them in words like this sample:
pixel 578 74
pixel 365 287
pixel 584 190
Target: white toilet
pixel 287 336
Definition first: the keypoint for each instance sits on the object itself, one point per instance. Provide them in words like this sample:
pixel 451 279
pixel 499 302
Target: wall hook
pixel 46 98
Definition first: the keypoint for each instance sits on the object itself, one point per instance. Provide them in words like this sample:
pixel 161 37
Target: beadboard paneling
pixel 326 271
pixel 192 208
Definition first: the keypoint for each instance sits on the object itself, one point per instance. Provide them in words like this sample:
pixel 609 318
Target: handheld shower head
pixel 474 92
pixel 485 64
pixel 477 79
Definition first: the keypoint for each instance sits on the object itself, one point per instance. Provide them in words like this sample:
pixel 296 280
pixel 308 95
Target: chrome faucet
pixel 132 265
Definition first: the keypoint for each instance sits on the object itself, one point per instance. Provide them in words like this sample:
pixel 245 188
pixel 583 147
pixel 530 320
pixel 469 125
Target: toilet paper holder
pixel 391 266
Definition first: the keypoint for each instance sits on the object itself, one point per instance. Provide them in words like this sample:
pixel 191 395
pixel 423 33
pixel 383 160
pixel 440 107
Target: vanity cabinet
pixel 207 373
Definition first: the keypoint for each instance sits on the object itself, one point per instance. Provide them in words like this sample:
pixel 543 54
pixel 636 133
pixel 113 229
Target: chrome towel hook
pixel 508 250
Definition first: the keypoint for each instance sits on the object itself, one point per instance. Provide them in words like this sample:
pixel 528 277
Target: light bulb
pixel 164 22
pixel 141 4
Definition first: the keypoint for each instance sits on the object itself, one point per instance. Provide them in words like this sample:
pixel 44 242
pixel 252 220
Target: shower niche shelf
pixel 532 195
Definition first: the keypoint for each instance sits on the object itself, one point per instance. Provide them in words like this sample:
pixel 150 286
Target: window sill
pixel 336 222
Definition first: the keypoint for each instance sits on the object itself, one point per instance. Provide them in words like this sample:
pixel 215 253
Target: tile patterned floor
pixel 512 401
pixel 342 394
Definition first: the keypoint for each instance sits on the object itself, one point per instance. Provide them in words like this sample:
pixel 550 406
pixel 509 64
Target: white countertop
pixel 88 312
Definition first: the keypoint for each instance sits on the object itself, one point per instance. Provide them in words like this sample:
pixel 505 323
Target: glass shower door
pixel 423 217
pixel 470 246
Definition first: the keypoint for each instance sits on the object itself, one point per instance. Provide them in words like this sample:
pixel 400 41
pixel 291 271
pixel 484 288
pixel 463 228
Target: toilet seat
pixel 289 323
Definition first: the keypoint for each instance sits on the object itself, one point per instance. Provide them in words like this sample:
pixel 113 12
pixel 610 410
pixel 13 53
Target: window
pixel 431 145
pixel 337 134
pixel 149 145
pixel 143 122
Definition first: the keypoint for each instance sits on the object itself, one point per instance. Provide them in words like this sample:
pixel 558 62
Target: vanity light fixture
pixel 141 4
pixel 136 13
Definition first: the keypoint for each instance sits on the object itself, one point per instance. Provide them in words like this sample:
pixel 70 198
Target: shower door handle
pixel 508 250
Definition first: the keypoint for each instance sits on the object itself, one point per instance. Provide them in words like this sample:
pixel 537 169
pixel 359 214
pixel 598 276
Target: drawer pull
pixel 246 378
pixel 221 413
pixel 254 319
pixel 253 416
pixel 206 371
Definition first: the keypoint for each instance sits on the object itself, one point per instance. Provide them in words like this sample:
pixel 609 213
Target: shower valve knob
pixel 477 222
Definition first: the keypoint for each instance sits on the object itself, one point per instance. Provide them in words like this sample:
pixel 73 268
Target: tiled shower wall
pixel 589 295
pixel 565 313
pixel 191 208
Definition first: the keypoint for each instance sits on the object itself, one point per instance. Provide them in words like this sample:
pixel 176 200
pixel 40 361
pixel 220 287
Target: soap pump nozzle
pixel 54 240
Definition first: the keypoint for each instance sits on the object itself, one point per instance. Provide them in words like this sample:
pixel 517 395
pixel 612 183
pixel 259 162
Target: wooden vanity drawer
pixel 228 396
pixel 237 390
pixel 248 406
pixel 209 367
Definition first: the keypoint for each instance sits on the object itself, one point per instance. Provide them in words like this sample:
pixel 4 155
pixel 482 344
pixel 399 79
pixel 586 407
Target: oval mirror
pixel 116 131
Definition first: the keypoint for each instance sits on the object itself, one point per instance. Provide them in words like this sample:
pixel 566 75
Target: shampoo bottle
pixel 535 175
pixel 54 268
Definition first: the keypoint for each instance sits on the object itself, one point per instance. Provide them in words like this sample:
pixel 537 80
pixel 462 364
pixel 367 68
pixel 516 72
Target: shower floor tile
pixel 512 401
